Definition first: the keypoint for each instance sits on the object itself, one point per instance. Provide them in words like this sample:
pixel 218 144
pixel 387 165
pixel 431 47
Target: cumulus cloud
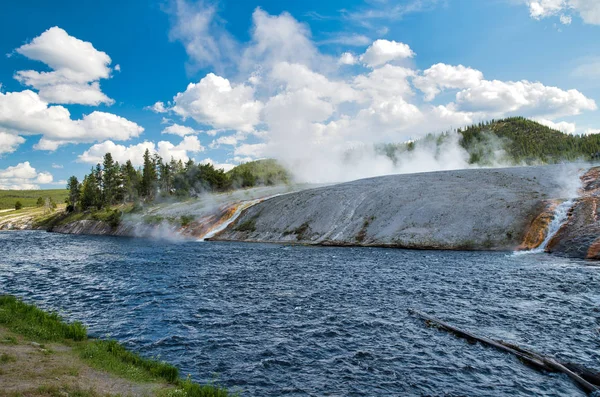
pixel 563 126
pixel 250 150
pixel 588 10
pixel 523 97
pixel 135 153
pixel 76 68
pixel 158 107
pixel 441 76
pixel 25 113
pixel 384 51
pixel 321 120
pixel 219 166
pixel 231 140
pixel 23 177
pixel 297 77
pixel 216 102
pixel 348 58
pixel 591 131
pixel 178 129
pixel 9 142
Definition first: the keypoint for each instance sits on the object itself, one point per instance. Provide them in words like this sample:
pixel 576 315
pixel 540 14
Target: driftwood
pixel 586 379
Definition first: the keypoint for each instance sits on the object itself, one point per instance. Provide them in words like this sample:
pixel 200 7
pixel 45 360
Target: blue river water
pixel 272 320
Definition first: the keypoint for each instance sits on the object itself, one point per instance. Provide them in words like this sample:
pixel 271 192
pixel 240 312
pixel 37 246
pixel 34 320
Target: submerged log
pixel 586 379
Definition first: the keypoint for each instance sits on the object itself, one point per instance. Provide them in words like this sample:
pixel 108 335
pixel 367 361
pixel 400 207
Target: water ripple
pixel 304 321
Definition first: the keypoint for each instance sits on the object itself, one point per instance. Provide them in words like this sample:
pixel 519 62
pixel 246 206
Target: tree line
pixel 521 141
pixel 111 183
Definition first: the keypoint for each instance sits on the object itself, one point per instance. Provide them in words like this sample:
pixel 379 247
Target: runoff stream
pixel 272 320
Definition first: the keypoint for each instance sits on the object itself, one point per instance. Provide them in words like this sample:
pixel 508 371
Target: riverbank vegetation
pixel 42 355
pixel 110 183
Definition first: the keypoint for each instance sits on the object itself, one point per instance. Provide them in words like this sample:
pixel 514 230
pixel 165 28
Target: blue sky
pixel 299 81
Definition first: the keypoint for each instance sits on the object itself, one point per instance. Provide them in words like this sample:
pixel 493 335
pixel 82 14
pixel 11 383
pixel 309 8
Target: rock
pixel 477 209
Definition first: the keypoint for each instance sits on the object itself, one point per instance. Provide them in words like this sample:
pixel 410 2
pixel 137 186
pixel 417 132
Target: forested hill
pixel 511 141
pixel 526 141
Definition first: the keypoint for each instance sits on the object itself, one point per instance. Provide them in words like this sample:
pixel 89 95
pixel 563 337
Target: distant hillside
pixel 526 141
pixel 266 172
pixel 29 198
pixel 514 140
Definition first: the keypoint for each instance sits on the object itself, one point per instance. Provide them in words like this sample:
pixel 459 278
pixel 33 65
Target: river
pixel 272 320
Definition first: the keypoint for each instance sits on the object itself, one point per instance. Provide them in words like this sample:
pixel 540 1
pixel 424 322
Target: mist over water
pixel 272 320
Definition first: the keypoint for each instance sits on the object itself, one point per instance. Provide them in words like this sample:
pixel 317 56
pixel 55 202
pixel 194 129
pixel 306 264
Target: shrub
pixel 18 205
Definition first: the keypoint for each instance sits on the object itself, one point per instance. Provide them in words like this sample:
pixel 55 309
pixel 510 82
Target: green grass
pixel 107 355
pixel 29 198
pixel 110 356
pixel 34 323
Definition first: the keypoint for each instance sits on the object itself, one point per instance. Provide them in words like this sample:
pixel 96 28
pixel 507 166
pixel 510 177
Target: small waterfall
pixel 219 228
pixel 240 207
pixel 560 217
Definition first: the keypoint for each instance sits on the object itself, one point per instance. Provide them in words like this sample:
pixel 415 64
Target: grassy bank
pixel 29 198
pixel 41 355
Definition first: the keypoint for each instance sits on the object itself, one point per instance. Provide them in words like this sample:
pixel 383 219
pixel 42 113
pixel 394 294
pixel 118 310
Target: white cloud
pixel 158 107
pixel 205 40
pixel 441 76
pixel 214 101
pixel 306 112
pixel 9 142
pixel 225 140
pixel 23 177
pixel 135 153
pixel 563 126
pixel 297 77
pixel 523 98
pixel 77 67
pixel 588 10
pixel 354 39
pixel 591 131
pixel 178 129
pixel 384 51
pixel 25 113
pixel 57 166
pixel 120 153
pixel 566 19
pixel 189 144
pixel 347 58
pixel 281 38
pixel 253 151
pixel 219 166
pixel 386 82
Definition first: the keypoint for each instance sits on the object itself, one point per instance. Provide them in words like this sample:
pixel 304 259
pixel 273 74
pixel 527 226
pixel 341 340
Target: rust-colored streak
pixel 536 233
pixel 590 183
pixel 593 251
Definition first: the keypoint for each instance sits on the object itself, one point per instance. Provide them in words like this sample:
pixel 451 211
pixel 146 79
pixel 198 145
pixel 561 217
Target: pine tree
pixel 74 192
pixel 110 181
pixel 149 177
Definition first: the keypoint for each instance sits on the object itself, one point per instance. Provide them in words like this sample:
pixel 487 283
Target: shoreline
pixel 42 355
